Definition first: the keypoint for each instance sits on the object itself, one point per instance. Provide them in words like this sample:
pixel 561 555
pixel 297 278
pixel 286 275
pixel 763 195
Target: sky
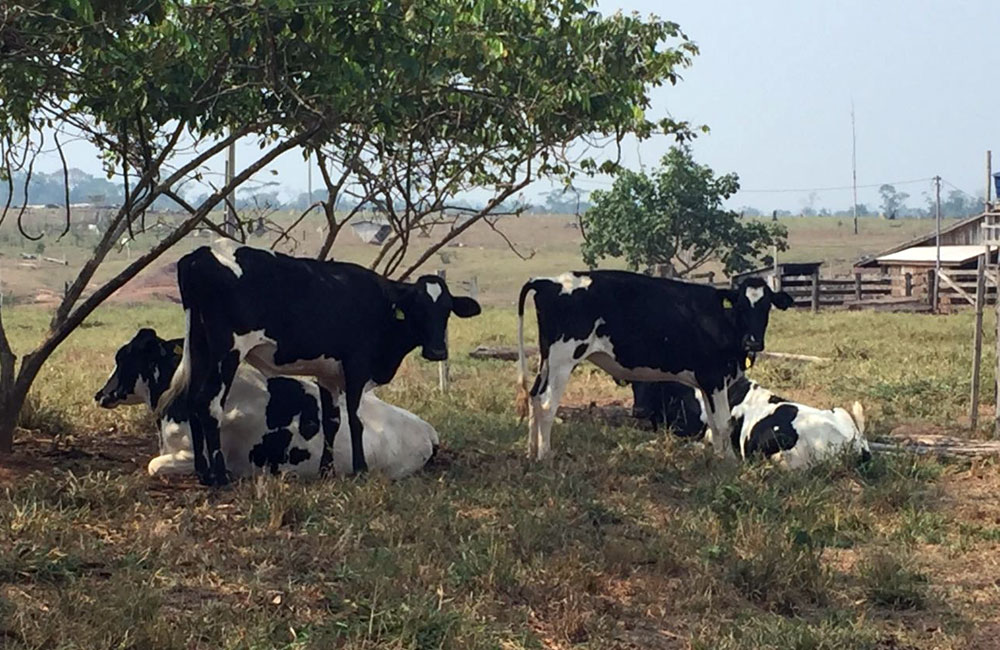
pixel 775 82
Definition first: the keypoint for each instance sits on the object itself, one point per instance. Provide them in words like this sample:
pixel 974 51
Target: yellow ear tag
pixel 178 350
pixel 726 303
pixel 748 363
pixel 399 314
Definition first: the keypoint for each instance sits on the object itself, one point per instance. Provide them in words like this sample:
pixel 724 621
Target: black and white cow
pixel 640 328
pixel 764 424
pixel 341 323
pixel 271 425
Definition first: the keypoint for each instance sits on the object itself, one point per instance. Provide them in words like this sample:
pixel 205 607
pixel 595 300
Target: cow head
pixel 425 306
pixel 143 366
pixel 750 306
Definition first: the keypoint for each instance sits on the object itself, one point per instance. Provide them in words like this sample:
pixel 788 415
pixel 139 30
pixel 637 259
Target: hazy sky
pixel 775 81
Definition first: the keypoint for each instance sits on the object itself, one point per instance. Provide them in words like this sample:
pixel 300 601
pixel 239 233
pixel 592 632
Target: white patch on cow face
pixel 571 282
pixel 140 395
pixel 434 290
pixel 228 260
pixel 754 294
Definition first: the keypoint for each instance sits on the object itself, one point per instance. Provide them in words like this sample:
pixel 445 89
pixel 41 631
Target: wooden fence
pixel 959 287
pixel 816 292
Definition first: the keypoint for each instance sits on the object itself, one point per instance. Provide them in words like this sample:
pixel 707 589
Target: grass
pixel 626 539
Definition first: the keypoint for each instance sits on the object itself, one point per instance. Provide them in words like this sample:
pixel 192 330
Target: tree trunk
pixel 12 397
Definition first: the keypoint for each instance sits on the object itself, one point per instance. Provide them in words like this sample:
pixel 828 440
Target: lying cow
pixel 341 323
pixel 764 424
pixel 640 328
pixel 276 425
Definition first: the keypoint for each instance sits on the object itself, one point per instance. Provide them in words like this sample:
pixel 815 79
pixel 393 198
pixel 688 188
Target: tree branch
pixel 59 333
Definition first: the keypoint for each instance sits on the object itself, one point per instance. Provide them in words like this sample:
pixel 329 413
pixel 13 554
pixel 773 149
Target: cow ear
pixel 782 300
pixel 465 307
pixel 146 337
pixel 728 298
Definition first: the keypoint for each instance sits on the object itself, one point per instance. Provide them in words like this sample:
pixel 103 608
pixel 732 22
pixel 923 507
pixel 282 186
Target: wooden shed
pixel 910 265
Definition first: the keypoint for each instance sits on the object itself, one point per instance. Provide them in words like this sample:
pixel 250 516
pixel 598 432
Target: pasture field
pixel 552 242
pixel 625 539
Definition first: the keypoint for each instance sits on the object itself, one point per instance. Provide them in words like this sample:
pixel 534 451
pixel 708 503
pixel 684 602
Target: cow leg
pixel 719 418
pixel 352 394
pixel 213 368
pixel 545 397
pixel 180 462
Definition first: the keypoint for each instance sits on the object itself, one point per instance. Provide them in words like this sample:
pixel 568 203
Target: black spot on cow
pixel 288 399
pixel 298 455
pixel 272 450
pixel 734 435
pixel 773 433
pixel 738 391
pixel 774 399
pixel 580 351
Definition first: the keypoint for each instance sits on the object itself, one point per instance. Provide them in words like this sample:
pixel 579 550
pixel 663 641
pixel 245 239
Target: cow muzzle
pixel 751 344
pixel 106 400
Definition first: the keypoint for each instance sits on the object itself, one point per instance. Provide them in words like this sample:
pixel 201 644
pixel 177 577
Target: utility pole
pixel 230 225
pixel 854 168
pixel 937 241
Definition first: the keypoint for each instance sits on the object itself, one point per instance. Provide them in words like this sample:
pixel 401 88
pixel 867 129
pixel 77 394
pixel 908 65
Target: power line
pixel 959 189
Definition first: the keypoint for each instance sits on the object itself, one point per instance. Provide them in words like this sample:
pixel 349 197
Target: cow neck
pixel 398 338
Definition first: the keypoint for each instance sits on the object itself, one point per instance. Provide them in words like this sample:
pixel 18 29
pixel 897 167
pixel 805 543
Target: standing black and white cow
pixel 640 328
pixel 341 323
pixel 279 425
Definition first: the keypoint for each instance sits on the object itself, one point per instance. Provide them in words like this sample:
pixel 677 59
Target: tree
pixel 675 217
pixel 892 201
pixel 404 104
pixel 567 200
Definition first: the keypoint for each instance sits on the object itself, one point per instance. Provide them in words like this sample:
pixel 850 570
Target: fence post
pixel 474 288
pixel 909 284
pixel 443 365
pixel 857 287
pixel 931 279
pixel 977 342
pixel 711 277
pixel 815 290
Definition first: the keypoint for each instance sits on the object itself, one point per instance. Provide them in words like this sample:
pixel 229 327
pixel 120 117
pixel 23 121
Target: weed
pixel 889 582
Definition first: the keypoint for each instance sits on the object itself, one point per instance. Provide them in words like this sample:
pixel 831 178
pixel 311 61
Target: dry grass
pixel 625 539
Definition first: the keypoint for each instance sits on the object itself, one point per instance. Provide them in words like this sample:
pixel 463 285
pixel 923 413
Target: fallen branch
pixel 792 357
pixel 940 445
pixel 510 354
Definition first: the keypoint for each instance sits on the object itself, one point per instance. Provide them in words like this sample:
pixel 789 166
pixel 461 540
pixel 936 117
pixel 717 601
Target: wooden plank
pixel 948 281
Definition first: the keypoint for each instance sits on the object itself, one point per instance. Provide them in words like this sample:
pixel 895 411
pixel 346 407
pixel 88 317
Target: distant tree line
pixel 892 206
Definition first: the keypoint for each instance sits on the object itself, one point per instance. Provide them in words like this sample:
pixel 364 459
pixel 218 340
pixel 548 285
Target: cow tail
pixel 521 401
pixel 182 374
pixel 858 413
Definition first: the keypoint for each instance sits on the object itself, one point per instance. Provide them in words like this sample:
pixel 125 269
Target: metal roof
pixel 928 254
pixel 928 239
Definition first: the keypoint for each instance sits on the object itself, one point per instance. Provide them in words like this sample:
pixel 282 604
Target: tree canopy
pixel 405 104
pixel 675 217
